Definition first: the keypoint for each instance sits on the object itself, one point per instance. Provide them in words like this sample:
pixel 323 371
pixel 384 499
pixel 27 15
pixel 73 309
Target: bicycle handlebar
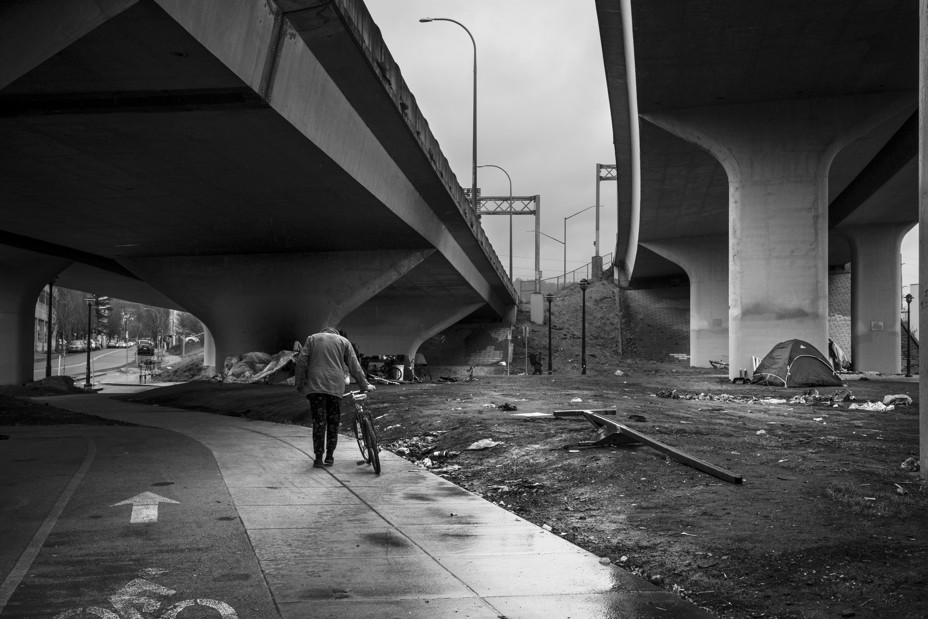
pixel 356 395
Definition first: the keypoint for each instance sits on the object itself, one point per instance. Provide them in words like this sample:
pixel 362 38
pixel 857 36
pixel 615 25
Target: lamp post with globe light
pixel 908 335
pixel 584 284
pixel 549 297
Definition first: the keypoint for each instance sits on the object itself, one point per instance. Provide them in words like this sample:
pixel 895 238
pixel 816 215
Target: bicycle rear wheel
pixel 373 451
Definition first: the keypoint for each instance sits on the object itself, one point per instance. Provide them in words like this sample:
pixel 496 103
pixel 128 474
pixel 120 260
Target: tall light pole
pixel 473 190
pixel 48 338
pixel 908 335
pixel 584 284
pixel 565 237
pixel 490 165
pixel 564 243
pixel 87 383
pixel 549 297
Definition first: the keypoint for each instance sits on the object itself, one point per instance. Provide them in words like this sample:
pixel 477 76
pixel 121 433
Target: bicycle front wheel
pixel 359 436
pixel 373 451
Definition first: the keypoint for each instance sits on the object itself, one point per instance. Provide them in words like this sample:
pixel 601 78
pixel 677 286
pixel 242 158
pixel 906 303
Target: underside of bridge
pixel 261 165
pixel 757 145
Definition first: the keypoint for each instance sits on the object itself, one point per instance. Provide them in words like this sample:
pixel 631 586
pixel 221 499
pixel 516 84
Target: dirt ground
pixel 826 523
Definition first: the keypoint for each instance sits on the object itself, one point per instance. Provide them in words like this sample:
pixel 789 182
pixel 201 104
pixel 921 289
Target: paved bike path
pixel 111 521
pixel 344 542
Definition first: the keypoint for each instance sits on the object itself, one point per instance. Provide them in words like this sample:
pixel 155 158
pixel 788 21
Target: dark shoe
pixel 329 460
pixel 317 463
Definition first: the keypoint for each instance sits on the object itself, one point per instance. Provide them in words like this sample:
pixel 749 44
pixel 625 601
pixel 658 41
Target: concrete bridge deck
pixel 261 165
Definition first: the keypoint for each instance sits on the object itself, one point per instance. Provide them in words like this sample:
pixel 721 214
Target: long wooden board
pixel 633 435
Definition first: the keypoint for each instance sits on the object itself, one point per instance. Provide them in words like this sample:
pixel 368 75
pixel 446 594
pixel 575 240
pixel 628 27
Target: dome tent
pixel 795 363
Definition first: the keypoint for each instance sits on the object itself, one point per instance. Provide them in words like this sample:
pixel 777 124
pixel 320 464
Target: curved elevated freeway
pixel 760 143
pixel 261 165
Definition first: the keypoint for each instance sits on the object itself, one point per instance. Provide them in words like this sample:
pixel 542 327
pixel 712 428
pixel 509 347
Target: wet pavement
pixel 344 542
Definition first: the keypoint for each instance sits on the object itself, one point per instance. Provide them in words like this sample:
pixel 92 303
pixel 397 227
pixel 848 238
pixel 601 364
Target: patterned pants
pixel 326 411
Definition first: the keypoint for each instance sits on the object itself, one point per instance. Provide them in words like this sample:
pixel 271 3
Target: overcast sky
pixel 542 114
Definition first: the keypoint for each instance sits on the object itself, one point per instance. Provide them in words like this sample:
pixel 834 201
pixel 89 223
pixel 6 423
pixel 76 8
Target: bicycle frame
pixel 364 433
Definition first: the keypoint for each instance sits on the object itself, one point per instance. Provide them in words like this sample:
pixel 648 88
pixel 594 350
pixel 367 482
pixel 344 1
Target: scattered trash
pixel 901 490
pixel 546 527
pixel 485 443
pixel 576 401
pixel 489 405
pixel 506 406
pixel 897 400
pixel 878 407
pixel 619 373
pixel 623 559
pixel 911 464
pixel 604 561
pixel 759 432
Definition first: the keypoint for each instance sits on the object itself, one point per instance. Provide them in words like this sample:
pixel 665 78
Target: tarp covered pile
pixel 260 366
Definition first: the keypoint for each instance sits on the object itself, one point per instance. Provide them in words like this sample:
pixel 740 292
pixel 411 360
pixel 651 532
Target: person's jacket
pixel 323 362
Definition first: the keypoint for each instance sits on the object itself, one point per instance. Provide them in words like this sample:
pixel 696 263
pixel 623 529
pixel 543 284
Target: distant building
pixel 41 322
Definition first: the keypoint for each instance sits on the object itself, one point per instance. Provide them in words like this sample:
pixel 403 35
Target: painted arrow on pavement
pixel 144 507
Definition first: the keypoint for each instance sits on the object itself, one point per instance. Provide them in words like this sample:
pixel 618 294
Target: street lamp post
pixel 48 338
pixel 565 237
pixel 490 165
pixel 584 284
pixel 908 335
pixel 549 297
pixel 87 383
pixel 473 194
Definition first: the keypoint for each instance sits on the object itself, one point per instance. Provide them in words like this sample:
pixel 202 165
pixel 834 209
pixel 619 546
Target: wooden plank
pixel 578 412
pixel 672 452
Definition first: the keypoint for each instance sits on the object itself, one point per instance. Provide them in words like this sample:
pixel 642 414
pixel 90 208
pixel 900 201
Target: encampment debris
pixel 484 443
pixel 506 406
pixel 897 400
pixel 878 407
pixel 911 464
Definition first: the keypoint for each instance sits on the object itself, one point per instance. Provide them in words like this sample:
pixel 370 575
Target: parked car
pixel 146 347
pixel 77 346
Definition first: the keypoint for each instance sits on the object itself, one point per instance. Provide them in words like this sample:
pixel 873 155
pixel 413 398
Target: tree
pixel 188 324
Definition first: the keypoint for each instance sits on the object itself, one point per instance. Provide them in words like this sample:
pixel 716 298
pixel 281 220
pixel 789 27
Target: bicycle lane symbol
pixel 135 598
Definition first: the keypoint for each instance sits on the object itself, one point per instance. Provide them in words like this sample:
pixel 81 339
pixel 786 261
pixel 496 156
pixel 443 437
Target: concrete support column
pixel 876 295
pixel 263 302
pixel 923 224
pixel 22 276
pixel 777 156
pixel 209 348
pixel 705 261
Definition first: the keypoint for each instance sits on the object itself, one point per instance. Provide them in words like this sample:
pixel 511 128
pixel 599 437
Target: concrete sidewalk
pixel 344 542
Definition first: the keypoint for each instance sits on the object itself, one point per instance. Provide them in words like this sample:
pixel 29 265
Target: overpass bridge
pixel 261 165
pixel 759 144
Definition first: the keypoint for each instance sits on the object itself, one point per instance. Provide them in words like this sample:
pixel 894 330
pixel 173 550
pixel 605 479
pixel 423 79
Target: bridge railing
pixel 371 42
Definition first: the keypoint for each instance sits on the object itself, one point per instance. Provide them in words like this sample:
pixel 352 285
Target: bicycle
pixel 364 431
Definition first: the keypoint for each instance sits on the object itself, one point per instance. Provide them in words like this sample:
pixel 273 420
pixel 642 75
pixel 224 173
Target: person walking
pixel 322 366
